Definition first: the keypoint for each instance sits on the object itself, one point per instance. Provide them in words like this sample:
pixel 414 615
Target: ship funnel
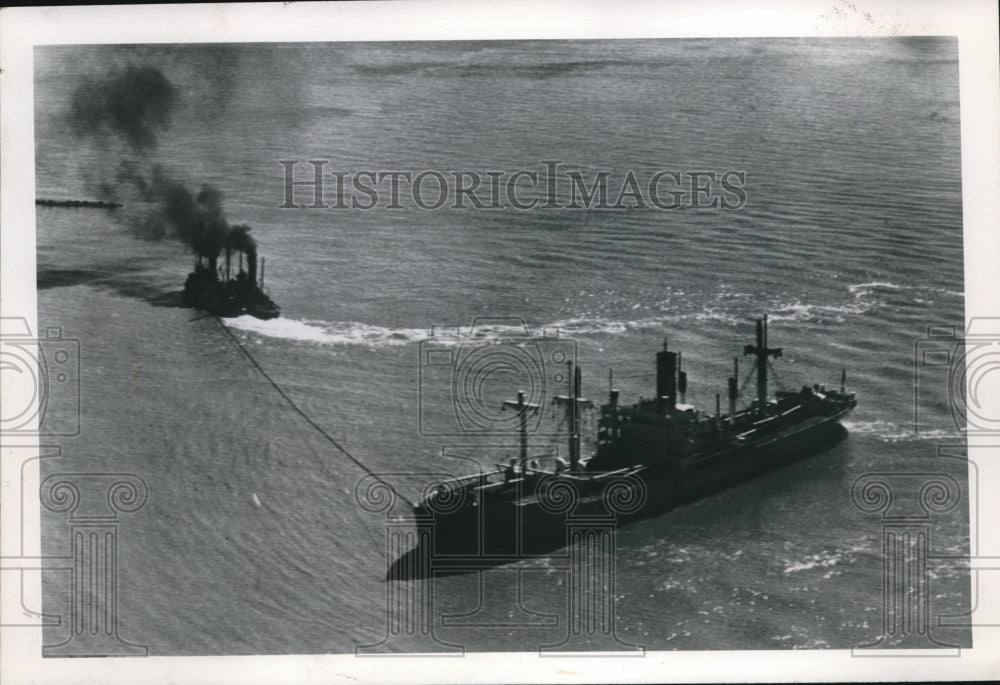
pixel 213 266
pixel 666 378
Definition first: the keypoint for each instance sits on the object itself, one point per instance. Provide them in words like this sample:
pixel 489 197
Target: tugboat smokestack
pixel 223 290
pixel 733 394
pixel 252 266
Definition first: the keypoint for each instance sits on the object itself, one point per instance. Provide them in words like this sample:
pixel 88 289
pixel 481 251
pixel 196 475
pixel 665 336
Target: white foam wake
pixel 891 432
pixel 862 289
pixel 799 311
pixel 356 333
pixel 322 332
pixel 795 311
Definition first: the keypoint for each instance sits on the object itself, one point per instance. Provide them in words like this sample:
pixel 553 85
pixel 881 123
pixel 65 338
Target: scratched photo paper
pixel 439 349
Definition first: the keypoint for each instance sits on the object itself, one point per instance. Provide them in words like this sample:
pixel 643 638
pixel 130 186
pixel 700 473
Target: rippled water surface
pixel 252 541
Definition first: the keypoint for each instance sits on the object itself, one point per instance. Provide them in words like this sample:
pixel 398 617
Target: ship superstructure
pixel 213 287
pixel 667 433
pixel 655 454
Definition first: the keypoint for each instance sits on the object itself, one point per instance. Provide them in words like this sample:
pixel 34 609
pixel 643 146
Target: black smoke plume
pixel 168 209
pixel 198 220
pixel 135 103
pixel 240 239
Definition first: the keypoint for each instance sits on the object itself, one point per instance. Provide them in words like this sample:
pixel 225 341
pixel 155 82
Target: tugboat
pixel 650 456
pixel 210 288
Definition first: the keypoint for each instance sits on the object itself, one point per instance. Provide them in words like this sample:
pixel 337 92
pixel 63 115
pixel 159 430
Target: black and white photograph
pixel 500 355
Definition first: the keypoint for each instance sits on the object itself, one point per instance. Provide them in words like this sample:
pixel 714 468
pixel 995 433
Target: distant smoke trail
pixel 135 103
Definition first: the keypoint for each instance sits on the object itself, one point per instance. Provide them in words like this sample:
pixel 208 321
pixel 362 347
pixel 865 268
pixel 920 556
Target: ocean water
pixel 253 435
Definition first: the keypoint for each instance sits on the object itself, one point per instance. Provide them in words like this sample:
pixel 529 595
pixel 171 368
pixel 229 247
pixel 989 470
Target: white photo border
pixel 975 24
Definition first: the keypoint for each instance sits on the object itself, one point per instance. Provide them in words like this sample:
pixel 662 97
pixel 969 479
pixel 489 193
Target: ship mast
pixel 761 352
pixel 573 402
pixel 523 409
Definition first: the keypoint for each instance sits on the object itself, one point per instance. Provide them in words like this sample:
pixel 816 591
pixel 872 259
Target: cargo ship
pixel 213 289
pixel 648 457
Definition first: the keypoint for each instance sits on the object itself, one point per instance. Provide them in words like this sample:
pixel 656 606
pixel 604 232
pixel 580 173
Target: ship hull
pixel 216 298
pixel 218 307
pixel 524 523
pixel 264 311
